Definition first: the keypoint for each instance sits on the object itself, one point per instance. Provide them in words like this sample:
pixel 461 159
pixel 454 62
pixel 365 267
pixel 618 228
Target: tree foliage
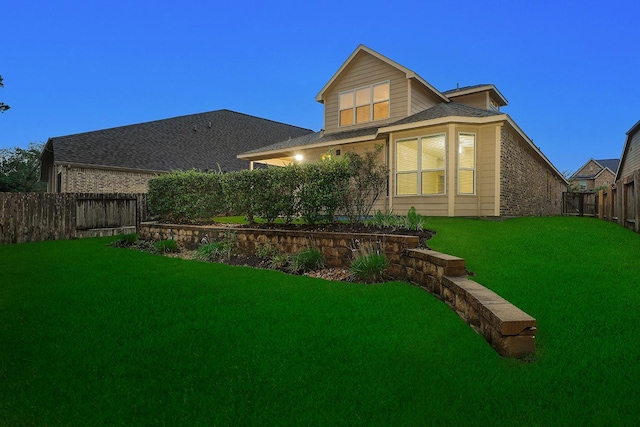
pixel 3 107
pixel 20 169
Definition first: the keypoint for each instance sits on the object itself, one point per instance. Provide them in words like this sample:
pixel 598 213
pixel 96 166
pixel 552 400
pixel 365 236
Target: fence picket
pixel 30 217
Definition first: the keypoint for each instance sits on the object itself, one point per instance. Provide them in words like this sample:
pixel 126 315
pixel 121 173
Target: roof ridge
pixel 174 118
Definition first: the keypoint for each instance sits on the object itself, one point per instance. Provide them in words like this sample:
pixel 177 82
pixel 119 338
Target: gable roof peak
pixel 362 48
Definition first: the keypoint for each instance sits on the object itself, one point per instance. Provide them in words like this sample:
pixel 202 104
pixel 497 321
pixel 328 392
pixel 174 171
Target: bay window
pixel 420 165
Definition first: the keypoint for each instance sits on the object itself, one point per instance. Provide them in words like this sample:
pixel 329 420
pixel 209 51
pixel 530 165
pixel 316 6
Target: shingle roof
pixel 201 141
pixel 610 163
pixel 460 89
pixel 316 138
pixel 435 112
pixel 446 110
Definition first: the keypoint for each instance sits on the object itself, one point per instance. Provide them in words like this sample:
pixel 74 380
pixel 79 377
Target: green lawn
pixel 94 335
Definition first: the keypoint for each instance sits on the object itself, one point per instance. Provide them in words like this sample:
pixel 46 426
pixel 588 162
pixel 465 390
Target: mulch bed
pixel 336 274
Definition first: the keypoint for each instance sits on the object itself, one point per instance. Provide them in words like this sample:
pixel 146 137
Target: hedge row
pixel 315 192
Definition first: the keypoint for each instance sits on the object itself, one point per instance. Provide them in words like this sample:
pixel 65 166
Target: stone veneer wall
pixel 528 186
pixel 336 247
pixel 509 330
pixel 89 180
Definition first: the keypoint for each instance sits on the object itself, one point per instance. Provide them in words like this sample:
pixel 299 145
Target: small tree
pixel 20 169
pixel 367 182
pixel 3 107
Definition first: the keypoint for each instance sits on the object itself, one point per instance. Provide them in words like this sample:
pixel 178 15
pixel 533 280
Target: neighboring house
pixel 450 153
pixel 630 159
pixel 124 159
pixel 594 175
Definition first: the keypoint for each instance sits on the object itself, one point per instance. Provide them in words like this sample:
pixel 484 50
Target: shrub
pixel 166 246
pixel 323 188
pixel 267 250
pixel 368 177
pixel 126 240
pixel 190 195
pixel 221 249
pixel 306 260
pixel 209 252
pixel 275 191
pixel 369 265
pixel 239 193
pixel 412 221
pixel 280 261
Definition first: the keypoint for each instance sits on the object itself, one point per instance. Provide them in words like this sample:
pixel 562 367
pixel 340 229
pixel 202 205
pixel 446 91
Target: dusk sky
pixel 569 69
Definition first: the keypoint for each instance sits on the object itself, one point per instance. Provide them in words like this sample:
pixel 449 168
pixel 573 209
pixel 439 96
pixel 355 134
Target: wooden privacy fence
pixel 619 203
pixel 579 204
pixel 32 217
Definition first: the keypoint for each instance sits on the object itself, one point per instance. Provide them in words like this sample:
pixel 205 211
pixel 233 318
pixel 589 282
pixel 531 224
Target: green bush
pixel 267 250
pixel 126 240
pixel 306 260
pixel 412 221
pixel 166 246
pixel 218 250
pixel 323 189
pixel 274 193
pixel 348 184
pixel 187 195
pixel 209 252
pixel 239 193
pixel 368 176
pixel 369 265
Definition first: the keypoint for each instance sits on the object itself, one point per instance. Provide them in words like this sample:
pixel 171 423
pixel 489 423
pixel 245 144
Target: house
pixel 630 158
pixel 594 175
pixel 451 153
pixel 123 159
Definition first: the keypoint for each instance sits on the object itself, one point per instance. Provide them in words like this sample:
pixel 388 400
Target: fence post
pixel 601 204
pixel 636 200
pixel 620 203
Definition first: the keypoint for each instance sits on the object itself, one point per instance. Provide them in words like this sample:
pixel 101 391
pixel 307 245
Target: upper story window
pixel 365 104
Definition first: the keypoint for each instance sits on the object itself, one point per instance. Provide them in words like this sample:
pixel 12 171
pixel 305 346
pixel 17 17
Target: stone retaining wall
pixel 509 330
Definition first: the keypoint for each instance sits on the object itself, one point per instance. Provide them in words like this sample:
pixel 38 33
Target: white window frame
pixel 475 163
pixel 419 171
pixel 371 103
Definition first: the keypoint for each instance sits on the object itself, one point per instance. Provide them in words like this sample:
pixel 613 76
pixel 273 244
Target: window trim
pixel 371 103
pixel 419 169
pixel 475 163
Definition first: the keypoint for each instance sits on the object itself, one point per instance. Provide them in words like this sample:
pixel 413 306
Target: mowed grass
pixel 94 335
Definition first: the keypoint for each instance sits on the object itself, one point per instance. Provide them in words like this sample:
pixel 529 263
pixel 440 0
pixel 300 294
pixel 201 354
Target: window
pixel 466 163
pixel 364 104
pixel 420 165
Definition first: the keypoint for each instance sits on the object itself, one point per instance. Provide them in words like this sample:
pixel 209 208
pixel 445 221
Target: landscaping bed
pixel 336 273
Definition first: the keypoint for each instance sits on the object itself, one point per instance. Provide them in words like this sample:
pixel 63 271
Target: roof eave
pixel 107 167
pixel 408 73
pixel 443 120
pixel 288 150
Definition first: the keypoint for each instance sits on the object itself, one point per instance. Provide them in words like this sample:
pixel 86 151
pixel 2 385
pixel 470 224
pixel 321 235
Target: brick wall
pixel 529 187
pixel 88 180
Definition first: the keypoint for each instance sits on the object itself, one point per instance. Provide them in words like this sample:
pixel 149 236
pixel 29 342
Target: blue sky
pixel 570 70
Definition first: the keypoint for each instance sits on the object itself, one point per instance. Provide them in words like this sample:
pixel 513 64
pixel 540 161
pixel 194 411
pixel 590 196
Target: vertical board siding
pixel 33 217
